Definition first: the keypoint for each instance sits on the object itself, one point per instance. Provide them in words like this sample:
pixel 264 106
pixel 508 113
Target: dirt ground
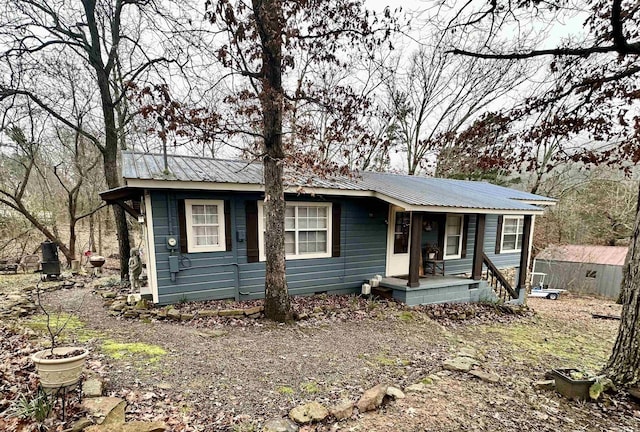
pixel 234 375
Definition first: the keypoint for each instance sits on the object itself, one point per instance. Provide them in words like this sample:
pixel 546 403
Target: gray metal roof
pixel 414 191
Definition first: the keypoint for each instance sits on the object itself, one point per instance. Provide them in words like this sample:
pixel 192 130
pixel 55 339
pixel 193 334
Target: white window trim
pixel 191 242
pixel 520 226
pixel 261 229
pixel 446 238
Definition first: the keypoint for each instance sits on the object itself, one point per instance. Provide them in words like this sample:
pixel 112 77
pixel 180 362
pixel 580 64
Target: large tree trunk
pixel 122 230
pixel 623 366
pixel 268 15
pixel 110 149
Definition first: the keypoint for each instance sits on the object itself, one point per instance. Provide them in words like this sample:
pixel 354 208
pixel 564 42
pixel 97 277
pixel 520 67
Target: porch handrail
pixel 497 280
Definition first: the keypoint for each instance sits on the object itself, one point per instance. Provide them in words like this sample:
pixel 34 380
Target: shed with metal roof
pixel 585 269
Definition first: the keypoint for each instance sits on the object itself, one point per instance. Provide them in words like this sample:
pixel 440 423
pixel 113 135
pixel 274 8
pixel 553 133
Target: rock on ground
pixel 280 425
pixel 92 388
pixel 485 376
pixel 106 410
pixel 459 364
pixel 342 410
pixel 395 393
pixel 372 398
pixel 307 413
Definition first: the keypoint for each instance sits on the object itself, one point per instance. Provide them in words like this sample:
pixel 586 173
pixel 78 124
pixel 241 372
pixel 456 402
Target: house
pixel 582 269
pixel 203 226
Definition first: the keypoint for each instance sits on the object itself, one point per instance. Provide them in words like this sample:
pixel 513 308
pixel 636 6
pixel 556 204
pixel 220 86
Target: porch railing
pixel 500 285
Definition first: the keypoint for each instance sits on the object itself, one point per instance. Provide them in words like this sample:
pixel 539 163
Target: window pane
pixel 453 245
pixel 290 242
pixel 197 209
pixel 401 236
pixel 509 242
pixel 198 219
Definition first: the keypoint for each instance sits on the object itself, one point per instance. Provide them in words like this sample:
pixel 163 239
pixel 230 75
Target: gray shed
pixel 581 269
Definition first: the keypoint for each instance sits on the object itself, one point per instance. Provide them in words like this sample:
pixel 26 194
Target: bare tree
pixel 110 43
pixel 596 77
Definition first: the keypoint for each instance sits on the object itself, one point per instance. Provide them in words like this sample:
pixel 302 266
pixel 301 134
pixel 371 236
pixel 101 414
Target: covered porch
pixel 442 257
pixel 438 289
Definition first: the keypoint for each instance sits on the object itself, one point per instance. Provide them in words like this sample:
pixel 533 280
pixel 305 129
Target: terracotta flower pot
pixel 59 372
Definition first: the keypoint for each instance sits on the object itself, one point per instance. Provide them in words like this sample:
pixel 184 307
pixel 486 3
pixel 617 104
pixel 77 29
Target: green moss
pixel 285 390
pixel 406 316
pixel 118 350
pixel 310 387
pixel 551 343
pixel 426 381
pixel 74 329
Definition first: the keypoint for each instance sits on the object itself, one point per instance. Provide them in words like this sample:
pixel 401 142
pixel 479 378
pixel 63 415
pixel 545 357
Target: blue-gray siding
pixel 217 275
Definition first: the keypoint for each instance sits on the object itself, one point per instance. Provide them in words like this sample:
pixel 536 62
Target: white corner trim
pixel 152 275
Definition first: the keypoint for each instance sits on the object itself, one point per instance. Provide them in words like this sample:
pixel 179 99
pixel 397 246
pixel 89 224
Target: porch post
pixel 524 253
pixel 478 248
pixel 414 250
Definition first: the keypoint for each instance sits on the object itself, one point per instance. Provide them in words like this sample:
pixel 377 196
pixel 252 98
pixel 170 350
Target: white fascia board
pixel 537 202
pixel 241 187
pixel 244 187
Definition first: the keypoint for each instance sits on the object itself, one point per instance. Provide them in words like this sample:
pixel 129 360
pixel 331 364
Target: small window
pixel 401 232
pixel 307 230
pixel 591 274
pixel 512 229
pixel 453 237
pixel 205 225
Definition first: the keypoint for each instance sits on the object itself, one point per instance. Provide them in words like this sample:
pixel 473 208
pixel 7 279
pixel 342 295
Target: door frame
pixel 395 261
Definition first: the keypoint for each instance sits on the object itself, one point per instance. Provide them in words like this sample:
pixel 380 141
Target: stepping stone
pixel 92 388
pixel 307 413
pixel 280 425
pixel 106 410
pixel 372 398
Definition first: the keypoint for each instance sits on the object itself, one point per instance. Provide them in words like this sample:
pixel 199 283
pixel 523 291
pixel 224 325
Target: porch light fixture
pixel 426 225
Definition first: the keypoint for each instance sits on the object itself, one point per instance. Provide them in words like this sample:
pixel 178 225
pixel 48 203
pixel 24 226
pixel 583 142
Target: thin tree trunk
pixel 268 15
pixel 623 366
pixel 92 232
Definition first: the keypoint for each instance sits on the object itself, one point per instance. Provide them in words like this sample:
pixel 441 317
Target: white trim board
pixel 243 187
pixel 152 275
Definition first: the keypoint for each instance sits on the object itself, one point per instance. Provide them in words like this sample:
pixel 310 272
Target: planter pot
pixel 432 255
pixel 576 389
pixel 56 373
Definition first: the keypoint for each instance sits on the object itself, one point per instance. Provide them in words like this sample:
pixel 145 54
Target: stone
pixel 92 387
pixel 208 313
pixel 459 364
pixel 173 314
pixel 134 426
pixel 372 398
pixel 68 284
pixel 211 333
pixel 142 305
pixel 186 317
pixel 395 392
pixel 280 425
pixel 308 413
pixel 342 410
pixel 79 285
pixel 160 314
pixel 545 384
pixel 133 298
pixel 106 410
pixel 231 312
pixel 485 376
pixel 118 305
pixel 255 315
pixel 131 314
pixel 416 388
pixel 108 295
pixel 164 385
pixel 80 425
pixel 468 352
pixel 253 310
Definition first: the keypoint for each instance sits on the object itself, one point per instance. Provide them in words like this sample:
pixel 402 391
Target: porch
pixel 438 289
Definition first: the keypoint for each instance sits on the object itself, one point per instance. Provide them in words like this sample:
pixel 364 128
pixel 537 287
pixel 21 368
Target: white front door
pixel 398 242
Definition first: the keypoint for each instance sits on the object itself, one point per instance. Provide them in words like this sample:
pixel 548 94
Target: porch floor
pixel 426 282
pixel 438 289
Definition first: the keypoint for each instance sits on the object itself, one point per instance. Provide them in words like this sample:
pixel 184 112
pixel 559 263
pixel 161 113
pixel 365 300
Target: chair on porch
pixel 432 266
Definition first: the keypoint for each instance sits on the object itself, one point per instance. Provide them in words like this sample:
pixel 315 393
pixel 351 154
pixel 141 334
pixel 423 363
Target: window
pixel 307 230
pixel 512 228
pixel 453 237
pixel 591 274
pixel 401 232
pixel 205 225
